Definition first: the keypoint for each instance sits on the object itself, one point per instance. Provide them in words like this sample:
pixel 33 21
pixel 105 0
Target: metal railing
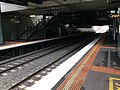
pixel 29 30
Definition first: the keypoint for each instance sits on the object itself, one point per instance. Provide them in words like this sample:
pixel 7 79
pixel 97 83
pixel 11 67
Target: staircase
pixel 25 33
pixel 40 34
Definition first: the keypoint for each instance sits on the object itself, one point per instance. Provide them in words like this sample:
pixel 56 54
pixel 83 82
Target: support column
pixel 118 35
pixel 44 30
pixel 115 25
pixel 60 30
pixel 44 18
pixel 114 29
pixel 1 33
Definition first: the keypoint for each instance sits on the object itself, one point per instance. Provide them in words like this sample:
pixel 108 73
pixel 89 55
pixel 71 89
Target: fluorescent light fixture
pixel 67 25
pixel 32 15
pixel 112 11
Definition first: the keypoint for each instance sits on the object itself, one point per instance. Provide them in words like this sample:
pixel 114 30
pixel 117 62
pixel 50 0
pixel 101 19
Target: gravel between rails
pixel 29 58
pixel 11 78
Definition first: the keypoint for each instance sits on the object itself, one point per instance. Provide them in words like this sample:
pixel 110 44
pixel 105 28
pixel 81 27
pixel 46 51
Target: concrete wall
pixel 9 27
pixel 1 33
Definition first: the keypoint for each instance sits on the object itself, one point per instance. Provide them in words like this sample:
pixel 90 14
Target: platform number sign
pixel 114 83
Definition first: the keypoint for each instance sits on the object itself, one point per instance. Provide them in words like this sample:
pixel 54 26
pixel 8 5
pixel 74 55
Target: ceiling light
pixel 32 15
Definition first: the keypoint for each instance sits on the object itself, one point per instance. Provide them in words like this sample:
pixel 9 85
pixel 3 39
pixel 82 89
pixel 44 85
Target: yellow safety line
pixel 69 83
pixel 111 83
pixel 111 86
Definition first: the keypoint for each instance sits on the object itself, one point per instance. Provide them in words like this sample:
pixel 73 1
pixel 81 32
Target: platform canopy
pixel 22 2
pixel 19 2
pixel 89 12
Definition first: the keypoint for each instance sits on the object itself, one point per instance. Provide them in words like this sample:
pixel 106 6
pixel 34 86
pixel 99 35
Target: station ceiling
pixel 96 11
pixel 65 6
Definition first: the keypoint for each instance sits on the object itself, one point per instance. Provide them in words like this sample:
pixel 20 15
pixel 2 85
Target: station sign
pixel 115 16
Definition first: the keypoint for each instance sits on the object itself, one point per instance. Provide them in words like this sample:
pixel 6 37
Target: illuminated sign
pixel 115 15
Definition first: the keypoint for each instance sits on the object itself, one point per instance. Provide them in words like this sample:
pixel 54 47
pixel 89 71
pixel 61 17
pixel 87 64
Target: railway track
pixel 41 73
pixel 13 63
pixel 15 72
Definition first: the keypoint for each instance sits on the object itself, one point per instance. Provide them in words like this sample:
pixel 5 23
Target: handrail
pixel 31 29
pixel 39 27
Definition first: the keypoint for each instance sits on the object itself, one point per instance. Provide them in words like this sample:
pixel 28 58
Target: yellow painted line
pixel 69 83
pixel 111 85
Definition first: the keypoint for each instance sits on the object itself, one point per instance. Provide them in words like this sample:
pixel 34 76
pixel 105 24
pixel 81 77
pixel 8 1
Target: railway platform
pixel 12 49
pixel 98 69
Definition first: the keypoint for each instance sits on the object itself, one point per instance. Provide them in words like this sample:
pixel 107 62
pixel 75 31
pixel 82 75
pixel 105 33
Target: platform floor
pixel 99 69
pixel 8 43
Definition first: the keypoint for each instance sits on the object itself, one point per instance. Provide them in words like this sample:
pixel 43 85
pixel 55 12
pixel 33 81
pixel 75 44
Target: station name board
pixel 115 15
